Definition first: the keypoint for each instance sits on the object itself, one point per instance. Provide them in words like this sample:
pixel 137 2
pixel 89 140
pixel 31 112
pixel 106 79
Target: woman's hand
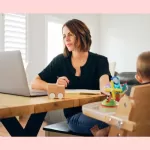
pixel 62 81
pixel 104 92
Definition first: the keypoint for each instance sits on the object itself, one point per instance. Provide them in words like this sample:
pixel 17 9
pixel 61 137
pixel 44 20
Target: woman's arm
pixel 103 81
pixel 47 75
pixel 104 73
pixel 39 84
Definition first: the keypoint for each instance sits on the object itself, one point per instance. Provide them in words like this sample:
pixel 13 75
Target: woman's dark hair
pixel 82 34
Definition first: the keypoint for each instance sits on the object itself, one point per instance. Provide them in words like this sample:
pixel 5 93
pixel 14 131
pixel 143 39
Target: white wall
pixel 119 37
pixel 1 33
pixel 123 37
pixel 36 45
pixel 37 38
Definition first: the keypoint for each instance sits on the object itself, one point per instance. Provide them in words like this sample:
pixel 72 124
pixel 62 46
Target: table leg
pixel 32 127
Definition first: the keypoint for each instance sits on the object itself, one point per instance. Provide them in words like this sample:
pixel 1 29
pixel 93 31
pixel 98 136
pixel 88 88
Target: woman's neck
pixel 79 55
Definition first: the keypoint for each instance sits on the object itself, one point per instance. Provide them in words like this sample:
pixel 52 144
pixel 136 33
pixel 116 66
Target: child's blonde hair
pixel 143 65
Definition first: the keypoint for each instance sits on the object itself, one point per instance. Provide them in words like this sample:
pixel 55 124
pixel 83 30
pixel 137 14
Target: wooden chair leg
pixel 114 131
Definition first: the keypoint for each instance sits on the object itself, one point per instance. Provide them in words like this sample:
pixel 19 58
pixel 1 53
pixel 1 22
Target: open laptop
pixel 13 78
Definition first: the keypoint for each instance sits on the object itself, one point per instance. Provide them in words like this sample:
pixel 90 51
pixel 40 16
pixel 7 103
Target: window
pixel 55 39
pixel 15 30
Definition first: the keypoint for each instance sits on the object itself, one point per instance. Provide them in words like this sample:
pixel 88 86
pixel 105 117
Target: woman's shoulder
pixel 97 56
pixel 59 57
pixel 57 60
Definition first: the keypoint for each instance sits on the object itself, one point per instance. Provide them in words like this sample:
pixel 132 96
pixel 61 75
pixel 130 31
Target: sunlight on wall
pixel 55 40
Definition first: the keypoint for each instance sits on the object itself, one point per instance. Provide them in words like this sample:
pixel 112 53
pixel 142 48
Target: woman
pixel 76 68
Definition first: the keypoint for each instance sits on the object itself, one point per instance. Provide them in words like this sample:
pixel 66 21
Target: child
pixel 143 68
pixel 142 76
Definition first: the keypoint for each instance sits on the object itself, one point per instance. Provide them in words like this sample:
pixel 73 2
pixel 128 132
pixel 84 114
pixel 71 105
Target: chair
pixel 130 118
pixel 135 110
pixel 59 129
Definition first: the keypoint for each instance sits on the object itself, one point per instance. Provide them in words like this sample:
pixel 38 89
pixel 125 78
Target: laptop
pixel 13 78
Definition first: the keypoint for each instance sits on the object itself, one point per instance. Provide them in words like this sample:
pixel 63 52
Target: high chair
pixel 130 118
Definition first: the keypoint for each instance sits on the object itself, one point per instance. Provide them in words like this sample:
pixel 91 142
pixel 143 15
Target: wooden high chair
pixel 136 109
pixel 130 118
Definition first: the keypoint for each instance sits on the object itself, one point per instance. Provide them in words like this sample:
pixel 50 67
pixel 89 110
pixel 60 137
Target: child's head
pixel 143 67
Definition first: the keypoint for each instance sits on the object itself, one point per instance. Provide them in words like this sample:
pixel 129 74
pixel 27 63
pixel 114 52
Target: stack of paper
pixel 82 91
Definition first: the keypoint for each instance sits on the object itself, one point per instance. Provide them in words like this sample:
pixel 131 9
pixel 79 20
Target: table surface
pixel 12 105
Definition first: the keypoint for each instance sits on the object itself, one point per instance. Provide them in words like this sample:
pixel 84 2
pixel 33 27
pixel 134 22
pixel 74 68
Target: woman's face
pixel 69 39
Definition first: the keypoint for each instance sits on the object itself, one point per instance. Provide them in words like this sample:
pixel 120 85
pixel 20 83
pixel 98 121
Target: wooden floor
pixel 23 120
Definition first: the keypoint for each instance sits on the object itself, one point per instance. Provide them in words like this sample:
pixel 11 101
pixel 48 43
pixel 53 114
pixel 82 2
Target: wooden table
pixel 37 107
